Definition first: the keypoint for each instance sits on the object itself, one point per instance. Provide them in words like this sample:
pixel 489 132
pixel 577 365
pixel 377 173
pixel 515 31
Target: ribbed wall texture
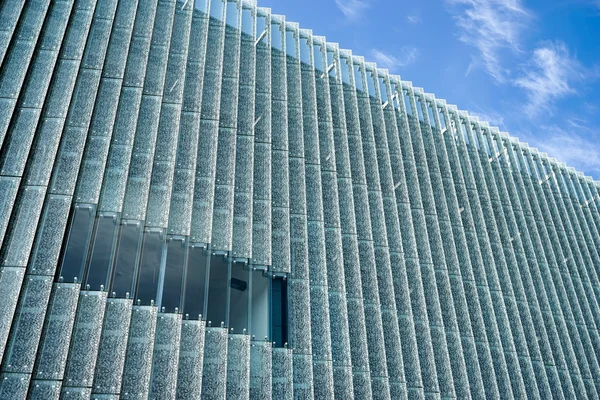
pixel 202 200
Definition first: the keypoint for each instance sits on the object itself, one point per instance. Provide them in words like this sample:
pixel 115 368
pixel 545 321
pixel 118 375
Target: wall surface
pixel 165 164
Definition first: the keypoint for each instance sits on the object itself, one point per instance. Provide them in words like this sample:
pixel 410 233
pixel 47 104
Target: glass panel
pixel 279 312
pixel 290 44
pixel 261 25
pixel 195 282
pixel 383 90
pixel 516 160
pixel 78 242
pixel 358 78
pixel 216 9
pixel 239 297
pixel 130 241
pixel 345 71
pixel 259 324
pixel 420 110
pixel 463 128
pixel 247 21
pixel 276 41
pixel 149 272
pixel 430 113
pixel 201 5
pixel 442 120
pixel 476 139
pixel 318 54
pixel 174 268
pixel 407 103
pixel 233 13
pixel 217 290
pixel 304 51
pixel 371 84
pixel 487 147
pixel 101 258
pixel 332 71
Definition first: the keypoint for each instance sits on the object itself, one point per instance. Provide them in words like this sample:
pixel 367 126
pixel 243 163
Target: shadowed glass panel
pixel 195 282
pixel 239 299
pixel 174 270
pixel 217 290
pixel 149 272
pixel 259 325
pixel 78 243
pixel 103 250
pixel 279 312
pixel 128 249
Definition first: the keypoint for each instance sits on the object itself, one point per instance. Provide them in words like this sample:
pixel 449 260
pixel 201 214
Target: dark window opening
pixel 149 271
pixel 103 250
pixel 195 282
pixel 239 299
pixel 78 242
pixel 128 249
pixel 217 289
pixel 279 312
pixel 174 273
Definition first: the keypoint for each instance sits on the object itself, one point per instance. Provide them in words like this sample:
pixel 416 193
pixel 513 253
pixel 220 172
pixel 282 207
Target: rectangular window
pixel 304 51
pixel 103 250
pixel 290 44
pixel 216 9
pixel 430 113
pixel 465 133
pixel 177 249
pixel 407 103
pixel 279 312
pixel 233 13
pixel 239 299
pixel 358 78
pixel 259 324
pixel 443 123
pixel 247 22
pixel 395 96
pixel 78 242
pixel 128 249
pixel 371 83
pixel 150 262
pixel 345 71
pixel 330 64
pixel 420 109
pixel 201 5
pixel 261 26
pixel 276 39
pixel 195 282
pixel 319 61
pixel 218 290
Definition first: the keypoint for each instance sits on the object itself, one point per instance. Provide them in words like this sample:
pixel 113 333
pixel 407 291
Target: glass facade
pixel 200 199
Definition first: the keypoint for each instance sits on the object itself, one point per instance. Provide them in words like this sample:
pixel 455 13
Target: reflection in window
pixel 174 273
pixel 195 282
pixel 261 25
pixel 201 5
pixel 290 44
pixel 130 241
pixel 420 110
pixel 407 103
pixel 345 71
pixel 217 289
pixel 318 54
pixel 463 127
pixel 516 160
pixel 233 13
pixel 216 9
pixel 276 40
pixel 383 91
pixel 358 78
pixel 442 119
pixel 149 271
pixel 279 312
pixel 101 259
pixel 239 299
pixel 430 113
pixel 247 22
pixel 371 83
pixel 395 97
pixel 78 242
pixel 330 64
pixel 486 145
pixel 304 50
pixel 475 137
pixel 259 324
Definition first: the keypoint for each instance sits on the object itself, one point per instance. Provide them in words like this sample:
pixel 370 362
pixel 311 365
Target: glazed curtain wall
pixel 199 199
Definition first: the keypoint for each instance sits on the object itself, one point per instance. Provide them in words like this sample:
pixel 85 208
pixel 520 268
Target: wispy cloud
pixel 352 9
pixel 548 76
pixel 492 117
pixel 406 56
pixel 579 148
pixel 413 19
pixel 491 26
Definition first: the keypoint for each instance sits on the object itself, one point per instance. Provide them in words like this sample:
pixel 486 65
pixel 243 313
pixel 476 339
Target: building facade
pixel 202 200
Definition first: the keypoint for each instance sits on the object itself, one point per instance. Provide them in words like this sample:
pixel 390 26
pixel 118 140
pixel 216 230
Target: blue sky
pixel 531 67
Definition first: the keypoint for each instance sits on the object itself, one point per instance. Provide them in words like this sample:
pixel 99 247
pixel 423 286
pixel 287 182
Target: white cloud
pixel 549 76
pixel 491 26
pixel 578 147
pixel 493 118
pixel 413 19
pixel 407 56
pixel 352 9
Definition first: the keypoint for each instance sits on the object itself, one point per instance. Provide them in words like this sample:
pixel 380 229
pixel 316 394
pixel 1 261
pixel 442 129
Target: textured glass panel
pixel 8 193
pixel 150 263
pixel 166 356
pixel 259 324
pixel 283 375
pixel 18 141
pixel 102 252
pixel 10 286
pixel 15 68
pixel 126 258
pixel 14 386
pixel 191 357
pixel 195 282
pixel 239 297
pixel 238 367
pixel 214 376
pixel 217 290
pixel 172 295
pixel 44 390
